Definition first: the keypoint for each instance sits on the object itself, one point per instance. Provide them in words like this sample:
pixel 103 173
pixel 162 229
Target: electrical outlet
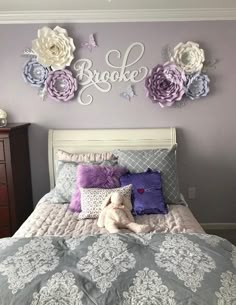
pixel 192 192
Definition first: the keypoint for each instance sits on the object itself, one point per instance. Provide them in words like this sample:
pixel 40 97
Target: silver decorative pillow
pixel 162 160
pixel 91 199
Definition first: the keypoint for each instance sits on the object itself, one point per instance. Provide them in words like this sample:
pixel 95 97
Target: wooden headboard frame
pixel 98 140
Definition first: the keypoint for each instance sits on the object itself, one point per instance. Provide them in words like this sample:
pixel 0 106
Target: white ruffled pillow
pixel 84 157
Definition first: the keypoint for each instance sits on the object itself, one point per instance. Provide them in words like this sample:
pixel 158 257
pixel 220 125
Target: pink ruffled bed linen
pixel 57 220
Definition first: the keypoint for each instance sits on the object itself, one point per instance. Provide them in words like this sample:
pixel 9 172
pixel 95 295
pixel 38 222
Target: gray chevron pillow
pixel 162 160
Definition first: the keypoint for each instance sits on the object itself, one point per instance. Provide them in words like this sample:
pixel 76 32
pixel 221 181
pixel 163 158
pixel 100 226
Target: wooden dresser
pixel 16 202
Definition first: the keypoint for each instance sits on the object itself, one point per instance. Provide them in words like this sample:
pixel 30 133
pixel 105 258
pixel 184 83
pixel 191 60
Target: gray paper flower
pixel 197 85
pixel 34 73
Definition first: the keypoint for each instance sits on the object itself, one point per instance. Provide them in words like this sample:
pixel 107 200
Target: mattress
pixel 50 219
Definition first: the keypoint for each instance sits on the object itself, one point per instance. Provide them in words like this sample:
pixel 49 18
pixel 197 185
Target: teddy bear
pixel 116 214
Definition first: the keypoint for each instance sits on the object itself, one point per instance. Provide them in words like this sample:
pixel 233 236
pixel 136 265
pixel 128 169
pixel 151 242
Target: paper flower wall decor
pixel 61 85
pixel 34 73
pixel 166 84
pixel 180 77
pixel 188 57
pixel 48 67
pixel 53 48
pixel 197 85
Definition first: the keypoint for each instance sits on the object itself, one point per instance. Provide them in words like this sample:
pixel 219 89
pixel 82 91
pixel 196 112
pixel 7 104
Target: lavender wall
pixel 206 129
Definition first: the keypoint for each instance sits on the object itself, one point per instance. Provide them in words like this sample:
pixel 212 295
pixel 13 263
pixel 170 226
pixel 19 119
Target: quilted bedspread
pixel 57 220
pixel 126 269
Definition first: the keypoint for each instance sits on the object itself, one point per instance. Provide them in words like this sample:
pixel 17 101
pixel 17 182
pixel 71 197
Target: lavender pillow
pixel 146 192
pixel 94 176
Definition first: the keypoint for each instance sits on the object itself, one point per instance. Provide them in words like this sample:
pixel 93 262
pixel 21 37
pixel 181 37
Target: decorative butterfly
pixel 210 64
pixel 90 44
pixel 129 93
pixel 166 53
pixel 28 53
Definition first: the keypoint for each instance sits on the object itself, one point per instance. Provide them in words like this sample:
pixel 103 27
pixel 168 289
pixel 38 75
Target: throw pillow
pixel 162 160
pixel 90 176
pixel 91 199
pixel 84 157
pixel 147 194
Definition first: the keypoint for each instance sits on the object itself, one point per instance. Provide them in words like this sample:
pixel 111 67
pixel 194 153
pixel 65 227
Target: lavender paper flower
pixel 34 73
pixel 61 85
pixel 165 84
pixel 197 85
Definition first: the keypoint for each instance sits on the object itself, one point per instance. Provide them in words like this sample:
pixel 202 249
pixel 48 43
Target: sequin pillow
pixel 90 176
pixel 91 199
pixel 147 194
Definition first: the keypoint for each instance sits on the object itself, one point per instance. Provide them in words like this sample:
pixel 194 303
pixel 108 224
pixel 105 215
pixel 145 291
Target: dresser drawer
pixel 2 155
pixel 4 217
pixel 3 195
pixel 3 175
pixel 3 186
pixel 5 232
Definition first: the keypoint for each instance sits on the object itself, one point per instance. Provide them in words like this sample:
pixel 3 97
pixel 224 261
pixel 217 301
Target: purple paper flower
pixel 61 85
pixel 34 73
pixel 165 85
pixel 197 85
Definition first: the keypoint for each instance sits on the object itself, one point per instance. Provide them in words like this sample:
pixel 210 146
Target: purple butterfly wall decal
pixel 129 93
pixel 90 44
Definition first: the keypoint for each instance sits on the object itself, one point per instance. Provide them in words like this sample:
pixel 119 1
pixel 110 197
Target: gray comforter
pixel 127 269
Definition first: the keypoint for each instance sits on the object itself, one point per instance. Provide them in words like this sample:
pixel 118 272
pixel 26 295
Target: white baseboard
pixel 219 226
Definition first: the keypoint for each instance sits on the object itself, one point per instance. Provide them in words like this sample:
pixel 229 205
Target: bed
pixel 57 258
pixel 63 222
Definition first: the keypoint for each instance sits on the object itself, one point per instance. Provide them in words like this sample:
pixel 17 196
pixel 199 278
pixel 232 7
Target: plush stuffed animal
pixel 115 214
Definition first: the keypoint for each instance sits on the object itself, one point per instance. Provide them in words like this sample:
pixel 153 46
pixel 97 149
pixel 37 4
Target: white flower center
pixel 38 73
pixel 187 58
pixel 61 85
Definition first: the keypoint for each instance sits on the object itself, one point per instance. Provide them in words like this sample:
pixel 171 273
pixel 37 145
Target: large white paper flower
pixel 54 48
pixel 189 57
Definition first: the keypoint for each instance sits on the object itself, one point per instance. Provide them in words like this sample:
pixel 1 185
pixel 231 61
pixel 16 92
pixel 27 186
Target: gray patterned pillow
pixel 65 184
pixel 66 181
pixel 91 199
pixel 163 160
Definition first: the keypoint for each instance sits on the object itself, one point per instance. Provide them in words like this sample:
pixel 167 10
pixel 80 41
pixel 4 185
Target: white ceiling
pixel 27 11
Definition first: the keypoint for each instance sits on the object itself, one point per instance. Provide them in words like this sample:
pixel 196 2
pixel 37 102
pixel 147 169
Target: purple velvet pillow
pixel 146 192
pixel 91 176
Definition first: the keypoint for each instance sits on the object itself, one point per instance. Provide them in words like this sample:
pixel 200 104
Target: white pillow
pixel 91 199
pixel 84 157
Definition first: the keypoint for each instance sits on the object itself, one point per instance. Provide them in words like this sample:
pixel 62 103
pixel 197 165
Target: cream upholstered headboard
pixel 105 140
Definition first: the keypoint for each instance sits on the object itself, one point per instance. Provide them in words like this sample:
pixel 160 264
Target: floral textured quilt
pixel 126 269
